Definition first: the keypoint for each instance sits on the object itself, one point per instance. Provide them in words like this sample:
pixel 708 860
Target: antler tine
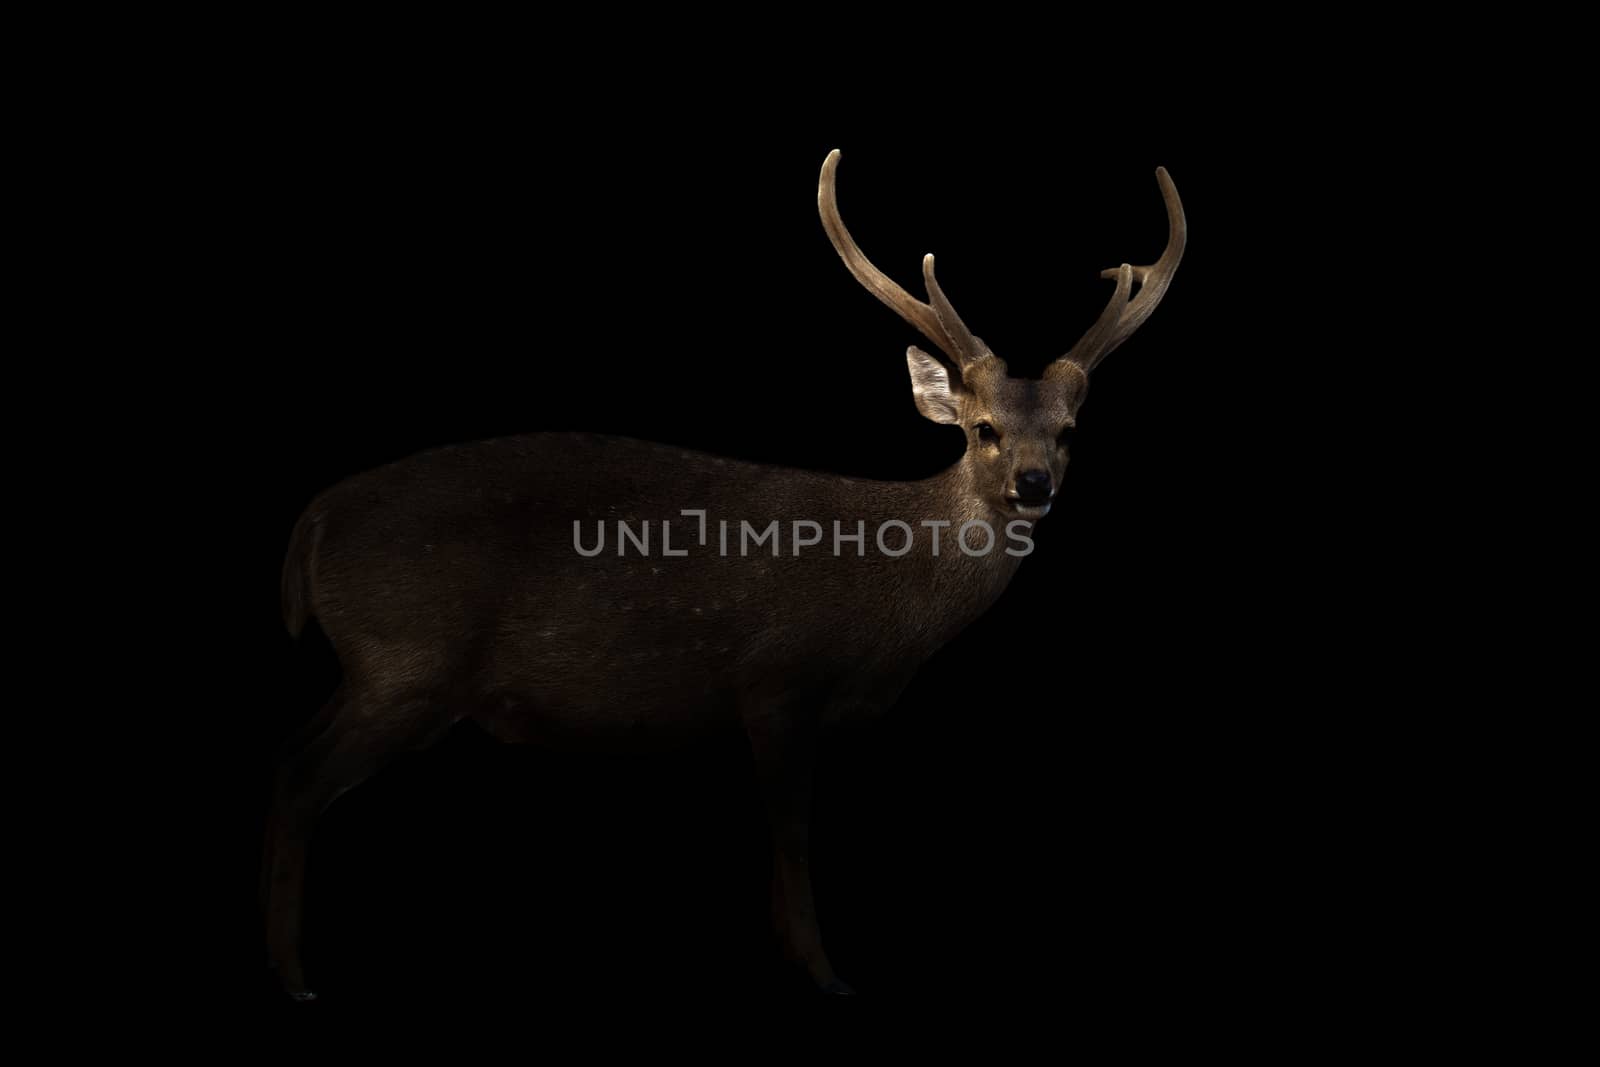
pixel 972 349
pixel 1093 345
pixel 938 321
pixel 1109 331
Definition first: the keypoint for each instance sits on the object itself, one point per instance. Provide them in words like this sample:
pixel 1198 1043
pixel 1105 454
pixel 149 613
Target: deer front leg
pixel 783 738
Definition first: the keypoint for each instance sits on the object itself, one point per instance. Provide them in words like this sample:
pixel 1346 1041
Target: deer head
pixel 1016 427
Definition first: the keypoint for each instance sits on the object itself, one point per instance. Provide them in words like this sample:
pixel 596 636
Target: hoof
pixel 837 988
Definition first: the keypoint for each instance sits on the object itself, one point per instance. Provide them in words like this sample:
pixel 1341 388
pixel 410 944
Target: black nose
pixel 1033 487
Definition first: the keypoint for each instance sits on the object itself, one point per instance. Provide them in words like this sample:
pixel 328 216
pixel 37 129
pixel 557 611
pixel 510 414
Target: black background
pixel 1147 776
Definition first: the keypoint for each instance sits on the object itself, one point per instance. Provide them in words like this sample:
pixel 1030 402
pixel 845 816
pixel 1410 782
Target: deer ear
pixel 935 397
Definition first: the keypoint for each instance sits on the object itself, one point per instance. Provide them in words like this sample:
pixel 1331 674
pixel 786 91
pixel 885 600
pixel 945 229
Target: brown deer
pixel 478 582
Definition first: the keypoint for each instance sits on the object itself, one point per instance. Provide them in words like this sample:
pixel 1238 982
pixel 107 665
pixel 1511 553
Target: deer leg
pixel 297 743
pixel 313 727
pixel 356 744
pixel 780 908
pixel 783 740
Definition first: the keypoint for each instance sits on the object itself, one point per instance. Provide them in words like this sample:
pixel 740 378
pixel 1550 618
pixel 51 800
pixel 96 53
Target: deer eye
pixel 987 432
pixel 1064 438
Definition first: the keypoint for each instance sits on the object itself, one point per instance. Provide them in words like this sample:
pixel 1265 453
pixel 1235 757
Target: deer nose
pixel 1033 487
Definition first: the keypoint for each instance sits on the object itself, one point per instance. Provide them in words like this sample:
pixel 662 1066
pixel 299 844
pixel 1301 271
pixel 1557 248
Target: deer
pixel 476 582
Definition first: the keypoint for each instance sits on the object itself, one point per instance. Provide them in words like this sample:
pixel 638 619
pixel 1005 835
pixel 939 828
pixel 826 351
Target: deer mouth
pixel 1029 509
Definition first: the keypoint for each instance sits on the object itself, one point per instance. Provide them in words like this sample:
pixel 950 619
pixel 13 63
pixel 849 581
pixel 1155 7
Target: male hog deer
pixel 477 581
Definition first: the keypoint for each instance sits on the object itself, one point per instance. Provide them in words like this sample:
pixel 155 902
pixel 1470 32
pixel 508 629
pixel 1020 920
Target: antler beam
pixel 937 320
pixel 1123 315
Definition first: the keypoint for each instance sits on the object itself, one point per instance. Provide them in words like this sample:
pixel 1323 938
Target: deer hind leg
pixel 362 735
pixel 783 740
pixel 297 743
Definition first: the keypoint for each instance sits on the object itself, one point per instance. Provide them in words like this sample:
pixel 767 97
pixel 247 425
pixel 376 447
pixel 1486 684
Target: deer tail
pixel 298 567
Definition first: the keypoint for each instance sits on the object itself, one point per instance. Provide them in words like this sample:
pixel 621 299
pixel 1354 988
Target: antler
pixel 937 320
pixel 1122 316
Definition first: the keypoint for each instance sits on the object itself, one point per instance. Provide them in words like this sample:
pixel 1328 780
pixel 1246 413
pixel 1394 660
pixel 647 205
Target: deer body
pixel 463 583
pixel 456 574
